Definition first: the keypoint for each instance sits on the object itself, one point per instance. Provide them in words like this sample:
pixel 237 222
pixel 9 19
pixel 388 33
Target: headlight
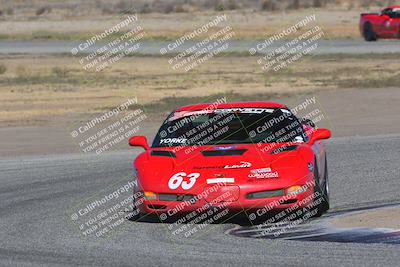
pixel 149 195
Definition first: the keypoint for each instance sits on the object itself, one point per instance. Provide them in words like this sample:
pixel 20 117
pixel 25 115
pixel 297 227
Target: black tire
pixel 368 32
pixel 135 216
pixel 322 190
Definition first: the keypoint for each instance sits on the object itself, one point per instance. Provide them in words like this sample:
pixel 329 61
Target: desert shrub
pixel 105 9
pixel 42 10
pixel 10 11
pixel 231 5
pixel 145 9
pixel 367 3
pixel 219 7
pixel 169 8
pixel 295 4
pixel 269 5
pixel 226 5
pixel 3 69
pixel 22 73
pixel 125 7
pixel 59 72
pixel 320 3
pixel 182 8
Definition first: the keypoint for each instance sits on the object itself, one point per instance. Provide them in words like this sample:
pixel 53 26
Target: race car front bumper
pixel 236 199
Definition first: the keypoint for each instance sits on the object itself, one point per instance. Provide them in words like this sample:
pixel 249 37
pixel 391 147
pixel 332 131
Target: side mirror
pixel 139 141
pixel 319 134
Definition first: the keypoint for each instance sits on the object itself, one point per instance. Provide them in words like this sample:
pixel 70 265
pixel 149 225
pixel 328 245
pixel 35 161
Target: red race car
pixel 247 156
pixel 385 25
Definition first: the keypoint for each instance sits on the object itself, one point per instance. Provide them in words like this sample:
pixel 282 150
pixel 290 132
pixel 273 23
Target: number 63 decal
pixel 177 180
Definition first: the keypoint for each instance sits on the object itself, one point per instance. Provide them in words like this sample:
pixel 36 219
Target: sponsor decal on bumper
pixel 221 180
pixel 263 173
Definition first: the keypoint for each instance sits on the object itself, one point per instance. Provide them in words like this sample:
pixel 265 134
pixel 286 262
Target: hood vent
pixel 163 153
pixel 218 153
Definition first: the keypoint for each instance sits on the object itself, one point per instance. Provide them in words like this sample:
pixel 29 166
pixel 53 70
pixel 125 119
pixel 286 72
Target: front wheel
pixel 322 191
pixel 134 216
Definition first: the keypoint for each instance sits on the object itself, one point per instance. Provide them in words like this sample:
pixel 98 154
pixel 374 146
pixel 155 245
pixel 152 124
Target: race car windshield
pixel 229 126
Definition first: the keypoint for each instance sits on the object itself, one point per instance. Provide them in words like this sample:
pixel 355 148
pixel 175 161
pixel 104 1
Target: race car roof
pixel 211 106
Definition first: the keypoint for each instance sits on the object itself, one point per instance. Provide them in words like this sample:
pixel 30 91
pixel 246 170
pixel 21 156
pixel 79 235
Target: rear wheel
pixel 321 191
pixel 368 32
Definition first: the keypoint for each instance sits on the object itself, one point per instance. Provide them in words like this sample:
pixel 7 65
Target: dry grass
pixel 54 87
pixel 99 7
pixel 247 24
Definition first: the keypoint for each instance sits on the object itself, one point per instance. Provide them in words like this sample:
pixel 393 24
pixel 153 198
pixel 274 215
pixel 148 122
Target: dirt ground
pixel 60 89
pixel 348 112
pixel 43 98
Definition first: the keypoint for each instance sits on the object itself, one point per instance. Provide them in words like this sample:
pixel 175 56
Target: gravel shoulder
pixel 382 218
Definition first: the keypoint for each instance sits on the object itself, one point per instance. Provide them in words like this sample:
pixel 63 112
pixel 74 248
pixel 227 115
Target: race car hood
pixel 231 164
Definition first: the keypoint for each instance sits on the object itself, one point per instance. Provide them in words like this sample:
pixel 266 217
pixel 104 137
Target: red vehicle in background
pixel 383 25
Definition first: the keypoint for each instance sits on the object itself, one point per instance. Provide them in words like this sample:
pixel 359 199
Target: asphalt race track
pixel 37 195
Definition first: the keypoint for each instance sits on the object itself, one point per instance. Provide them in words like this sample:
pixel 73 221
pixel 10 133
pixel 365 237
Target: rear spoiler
pixel 366 14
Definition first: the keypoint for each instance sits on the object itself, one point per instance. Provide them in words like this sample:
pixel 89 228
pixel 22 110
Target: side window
pixel 388 12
